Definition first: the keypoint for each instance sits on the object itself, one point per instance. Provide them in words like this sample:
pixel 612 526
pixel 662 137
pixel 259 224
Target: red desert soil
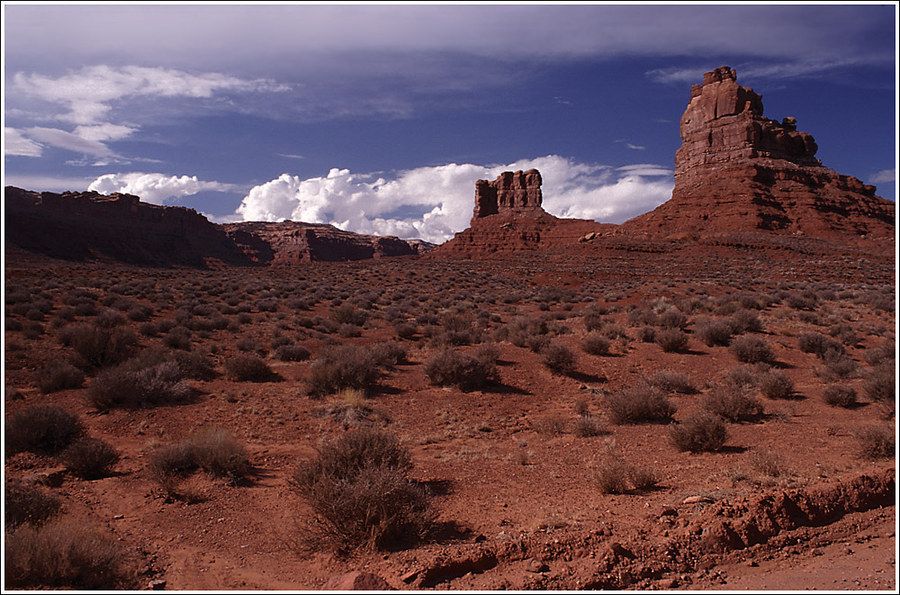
pixel 788 502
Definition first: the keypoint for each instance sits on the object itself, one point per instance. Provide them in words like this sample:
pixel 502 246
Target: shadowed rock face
pixel 737 171
pixel 119 227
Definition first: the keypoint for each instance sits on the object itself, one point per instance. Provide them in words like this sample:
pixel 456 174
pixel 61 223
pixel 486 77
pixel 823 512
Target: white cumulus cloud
pixel 433 203
pixel 153 187
pixel 883 176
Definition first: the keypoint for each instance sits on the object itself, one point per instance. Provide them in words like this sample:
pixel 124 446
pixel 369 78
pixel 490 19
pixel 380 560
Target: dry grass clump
pixel 750 349
pixel 745 321
pixel 59 375
pixel 358 488
pixel 26 503
pixel 732 403
pixel 672 340
pixel 66 554
pixel 700 431
pixel 641 403
pixel 451 368
pixel 245 367
pixel 559 359
pixel 130 385
pixel 90 458
pixel 42 429
pixel 875 442
pixel 213 450
pixel 340 367
pixel 613 475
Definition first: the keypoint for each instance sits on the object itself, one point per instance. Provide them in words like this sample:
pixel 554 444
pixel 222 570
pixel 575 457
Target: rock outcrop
pixel 289 242
pixel 509 218
pixel 518 192
pixel 116 227
pixel 738 172
pixel 119 227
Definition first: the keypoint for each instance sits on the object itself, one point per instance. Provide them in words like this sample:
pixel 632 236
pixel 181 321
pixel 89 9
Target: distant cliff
pixel 121 228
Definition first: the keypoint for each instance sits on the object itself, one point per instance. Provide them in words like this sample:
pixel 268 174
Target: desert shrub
pixel 179 337
pixel 134 386
pixel 451 368
pixel 388 354
pixel 588 425
pixel 844 333
pixel 292 353
pixel 672 318
pixel 42 429
pixel 745 321
pixel 767 462
pixel 643 478
pixel 521 329
pixel 875 442
pixel 647 334
pixel 12 324
pixel 611 474
pixel 406 330
pixel 139 313
pixel 250 345
pixel 672 382
pixel 213 450
pixel 595 344
pixel 347 313
pixel 66 553
pixel 488 354
pixel 714 332
pixel 700 431
pixel 750 349
pixel 882 353
pixel 775 384
pixel 89 458
pixel 837 365
pixel 742 377
pixel 246 367
pixel 559 359
pixel 879 383
pixel 731 403
pixel 638 404
pixel 27 503
pixel 839 395
pixel 358 488
pixel 806 300
pixel 340 367
pixel 97 346
pixel 59 375
pixel 195 365
pixel 819 344
pixel 672 340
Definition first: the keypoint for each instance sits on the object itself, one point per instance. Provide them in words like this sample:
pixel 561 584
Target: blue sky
pixel 379 118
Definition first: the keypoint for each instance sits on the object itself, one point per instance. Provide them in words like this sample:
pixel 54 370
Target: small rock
pixel 118 517
pixel 696 499
pixel 668 511
pixel 157 585
pixel 669 583
pixel 357 581
pixel 535 565
pixel 752 563
pixel 409 576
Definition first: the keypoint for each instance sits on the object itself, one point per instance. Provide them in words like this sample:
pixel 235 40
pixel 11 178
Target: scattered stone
pixel 357 581
pixel 157 585
pixel 536 566
pixel 697 499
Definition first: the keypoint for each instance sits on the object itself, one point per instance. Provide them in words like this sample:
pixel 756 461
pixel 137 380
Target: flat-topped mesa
pixel 724 122
pixel 518 191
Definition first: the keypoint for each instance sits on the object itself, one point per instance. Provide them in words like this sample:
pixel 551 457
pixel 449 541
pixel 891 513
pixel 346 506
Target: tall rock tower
pixel 740 172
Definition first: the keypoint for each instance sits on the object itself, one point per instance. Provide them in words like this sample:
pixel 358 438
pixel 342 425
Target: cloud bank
pixel 433 203
pixel 155 188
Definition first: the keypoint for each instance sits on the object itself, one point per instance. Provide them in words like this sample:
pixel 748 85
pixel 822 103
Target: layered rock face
pixel 518 191
pixel 119 227
pixel 740 172
pixel 289 242
pixel 88 225
pixel 509 218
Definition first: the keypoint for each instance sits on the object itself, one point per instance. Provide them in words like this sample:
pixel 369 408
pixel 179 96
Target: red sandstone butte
pixel 509 217
pixel 740 172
